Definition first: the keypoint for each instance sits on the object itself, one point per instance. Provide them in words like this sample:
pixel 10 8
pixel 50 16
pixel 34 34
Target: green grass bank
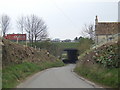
pixel 105 77
pixel 14 74
pixel 101 65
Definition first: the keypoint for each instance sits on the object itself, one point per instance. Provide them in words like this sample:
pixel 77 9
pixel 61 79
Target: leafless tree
pixel 35 27
pixel 89 31
pixel 20 23
pixel 40 31
pixel 5 23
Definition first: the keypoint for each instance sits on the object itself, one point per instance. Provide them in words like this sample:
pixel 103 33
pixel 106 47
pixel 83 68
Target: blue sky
pixel 65 18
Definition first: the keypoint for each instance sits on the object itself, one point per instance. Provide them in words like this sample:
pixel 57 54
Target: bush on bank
pixel 100 65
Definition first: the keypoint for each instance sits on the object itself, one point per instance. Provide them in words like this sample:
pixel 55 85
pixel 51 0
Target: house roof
pixel 102 28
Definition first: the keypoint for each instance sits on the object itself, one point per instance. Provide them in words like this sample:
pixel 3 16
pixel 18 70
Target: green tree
pixel 84 44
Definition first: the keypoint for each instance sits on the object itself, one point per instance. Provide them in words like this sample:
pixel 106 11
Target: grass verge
pixel 12 75
pixel 104 76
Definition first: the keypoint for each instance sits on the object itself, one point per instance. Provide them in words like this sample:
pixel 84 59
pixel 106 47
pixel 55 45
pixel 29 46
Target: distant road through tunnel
pixel 72 55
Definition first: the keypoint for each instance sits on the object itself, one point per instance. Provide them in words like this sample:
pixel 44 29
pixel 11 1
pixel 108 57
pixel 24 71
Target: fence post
pixel 17 40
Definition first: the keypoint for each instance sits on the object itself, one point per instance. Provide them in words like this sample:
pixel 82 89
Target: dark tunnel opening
pixel 72 56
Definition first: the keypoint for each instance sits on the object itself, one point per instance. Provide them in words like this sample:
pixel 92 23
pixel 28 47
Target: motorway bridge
pixel 72 55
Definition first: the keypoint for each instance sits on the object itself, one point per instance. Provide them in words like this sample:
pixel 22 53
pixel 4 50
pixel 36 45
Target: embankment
pixel 19 62
pixel 101 65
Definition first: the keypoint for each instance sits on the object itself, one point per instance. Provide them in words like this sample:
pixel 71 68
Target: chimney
pixel 96 20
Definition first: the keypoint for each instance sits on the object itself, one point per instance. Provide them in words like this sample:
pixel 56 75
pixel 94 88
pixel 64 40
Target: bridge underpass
pixel 72 55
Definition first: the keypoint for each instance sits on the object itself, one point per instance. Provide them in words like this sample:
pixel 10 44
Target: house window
pixel 110 38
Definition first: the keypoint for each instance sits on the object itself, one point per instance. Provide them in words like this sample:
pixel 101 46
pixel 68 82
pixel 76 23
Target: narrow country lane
pixel 61 77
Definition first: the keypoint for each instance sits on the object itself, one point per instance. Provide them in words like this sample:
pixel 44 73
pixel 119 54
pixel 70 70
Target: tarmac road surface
pixel 60 77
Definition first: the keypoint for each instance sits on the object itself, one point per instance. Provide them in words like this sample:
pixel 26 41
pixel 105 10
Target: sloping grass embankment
pixel 101 66
pixel 14 74
pixel 107 78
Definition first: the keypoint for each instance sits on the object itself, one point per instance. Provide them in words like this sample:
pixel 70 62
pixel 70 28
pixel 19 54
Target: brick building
pixel 106 31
